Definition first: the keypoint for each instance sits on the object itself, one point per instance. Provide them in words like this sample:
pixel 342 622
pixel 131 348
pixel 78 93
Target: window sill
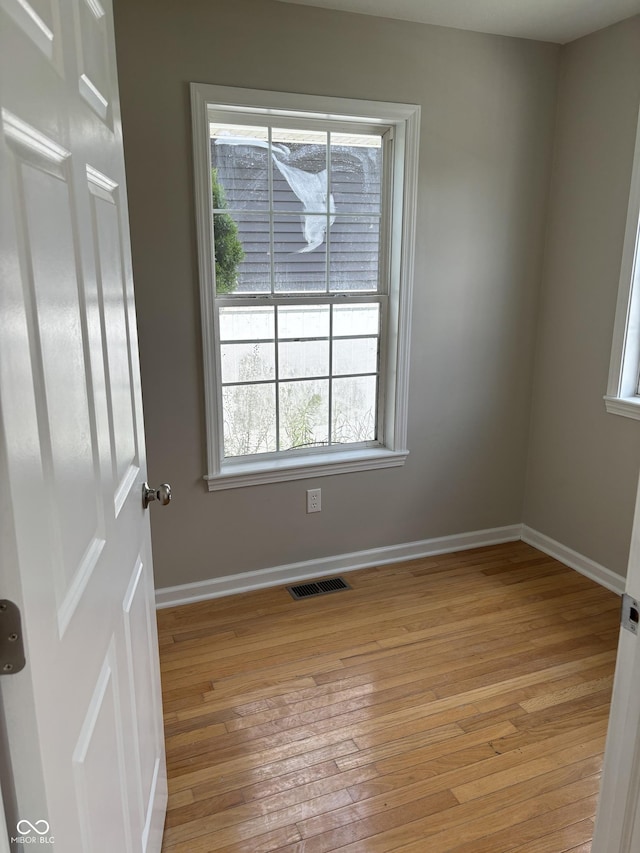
pixel 236 475
pixel 628 407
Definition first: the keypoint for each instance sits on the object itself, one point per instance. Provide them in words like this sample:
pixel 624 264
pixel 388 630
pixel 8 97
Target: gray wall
pixel 488 112
pixel 583 464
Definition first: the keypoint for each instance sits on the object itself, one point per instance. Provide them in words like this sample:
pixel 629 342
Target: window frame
pixel 623 387
pixel 391 448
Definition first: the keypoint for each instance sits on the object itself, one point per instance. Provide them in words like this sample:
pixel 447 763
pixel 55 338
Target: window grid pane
pixel 320 231
pixel 354 417
pixel 276 396
pixel 304 414
pixel 249 419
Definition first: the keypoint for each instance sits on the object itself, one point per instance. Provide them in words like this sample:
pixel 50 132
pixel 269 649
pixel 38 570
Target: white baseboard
pixel 605 577
pixel 294 572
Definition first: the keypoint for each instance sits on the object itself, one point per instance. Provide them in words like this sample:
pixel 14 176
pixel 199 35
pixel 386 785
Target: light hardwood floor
pixel 455 703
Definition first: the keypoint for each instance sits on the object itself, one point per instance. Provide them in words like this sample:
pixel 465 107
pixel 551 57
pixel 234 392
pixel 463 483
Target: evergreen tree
pixel 227 246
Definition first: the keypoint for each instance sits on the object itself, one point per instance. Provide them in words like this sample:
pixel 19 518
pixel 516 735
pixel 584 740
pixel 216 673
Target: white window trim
pixel 405 120
pixel 622 396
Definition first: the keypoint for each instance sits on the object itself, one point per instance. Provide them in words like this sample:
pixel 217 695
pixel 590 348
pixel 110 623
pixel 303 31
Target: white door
pixel 617 827
pixel 84 766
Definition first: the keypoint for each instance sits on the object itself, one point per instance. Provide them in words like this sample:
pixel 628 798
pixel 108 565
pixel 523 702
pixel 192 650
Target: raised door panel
pixel 99 769
pixel 39 20
pixel 41 171
pixel 143 691
pixel 112 295
pixel 93 58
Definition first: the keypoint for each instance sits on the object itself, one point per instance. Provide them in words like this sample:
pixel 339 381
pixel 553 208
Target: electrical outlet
pixel 314 500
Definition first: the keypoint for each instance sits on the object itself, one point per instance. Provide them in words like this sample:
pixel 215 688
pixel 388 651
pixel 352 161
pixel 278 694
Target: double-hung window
pixel 305 209
pixel 623 388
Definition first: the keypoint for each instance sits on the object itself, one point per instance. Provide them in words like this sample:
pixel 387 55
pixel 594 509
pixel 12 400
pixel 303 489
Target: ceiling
pixel 558 21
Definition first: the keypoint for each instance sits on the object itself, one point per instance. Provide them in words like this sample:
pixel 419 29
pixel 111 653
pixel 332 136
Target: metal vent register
pixel 306 590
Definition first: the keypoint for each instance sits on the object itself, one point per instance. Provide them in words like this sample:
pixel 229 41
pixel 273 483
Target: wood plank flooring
pixel 454 703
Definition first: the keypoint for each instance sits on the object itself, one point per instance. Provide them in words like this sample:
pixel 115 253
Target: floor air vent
pixel 306 590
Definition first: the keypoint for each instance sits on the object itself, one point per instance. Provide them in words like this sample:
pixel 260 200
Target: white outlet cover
pixel 314 500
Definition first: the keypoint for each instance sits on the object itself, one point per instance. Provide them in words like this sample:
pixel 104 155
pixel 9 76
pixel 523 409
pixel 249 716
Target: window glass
pixel 249 419
pixel 305 406
pixel 296 213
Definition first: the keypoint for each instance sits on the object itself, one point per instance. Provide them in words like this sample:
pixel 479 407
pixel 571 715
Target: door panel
pixel 39 174
pixel 139 622
pixel 39 20
pixel 99 767
pixel 105 216
pixel 93 56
